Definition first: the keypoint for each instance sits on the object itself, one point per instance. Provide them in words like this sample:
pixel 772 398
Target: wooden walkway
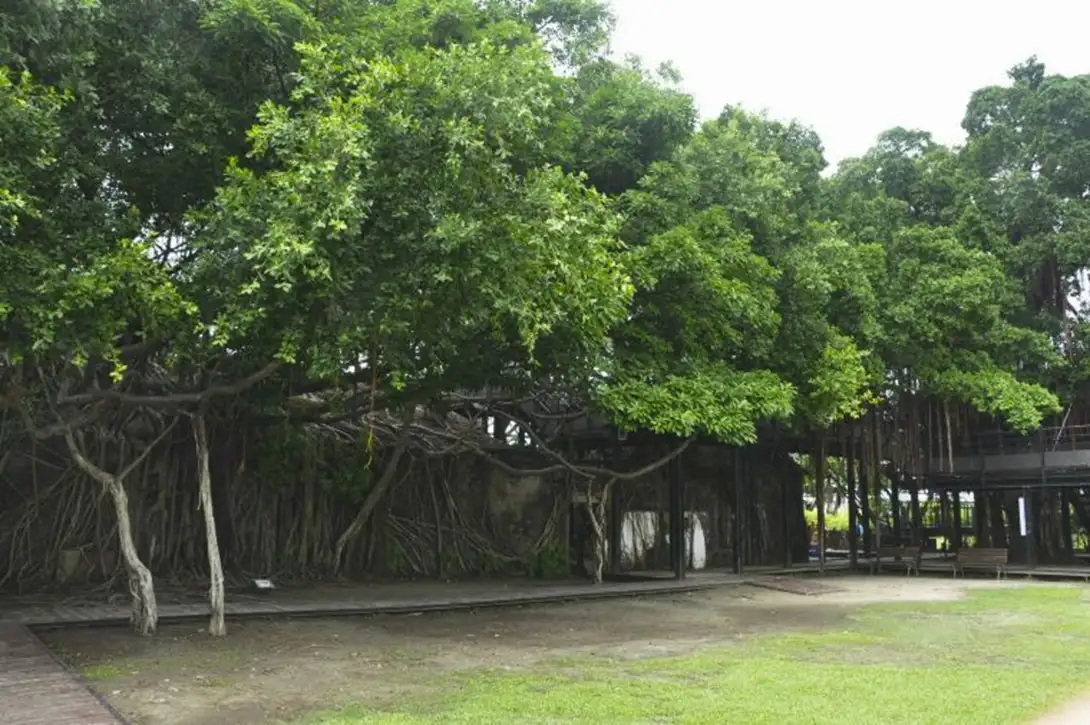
pixel 363 601
pixel 36 689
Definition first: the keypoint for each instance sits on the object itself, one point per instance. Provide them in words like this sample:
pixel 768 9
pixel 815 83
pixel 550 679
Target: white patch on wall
pixel 696 548
pixel 638 538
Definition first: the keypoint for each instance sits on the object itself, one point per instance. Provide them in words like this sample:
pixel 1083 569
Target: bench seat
pixel 982 558
pixel 907 555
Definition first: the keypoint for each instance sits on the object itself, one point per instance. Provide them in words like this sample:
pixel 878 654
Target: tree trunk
pixel 217 627
pixel 145 611
pixel 597 516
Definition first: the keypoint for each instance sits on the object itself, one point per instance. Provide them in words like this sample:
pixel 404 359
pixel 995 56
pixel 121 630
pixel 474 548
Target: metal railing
pixel 1056 438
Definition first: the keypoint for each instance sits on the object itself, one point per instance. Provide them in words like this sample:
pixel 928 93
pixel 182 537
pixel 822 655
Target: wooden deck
pixel 364 601
pixel 36 689
pixel 1061 572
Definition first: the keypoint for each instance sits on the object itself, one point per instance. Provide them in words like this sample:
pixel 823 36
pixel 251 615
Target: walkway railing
pixel 1055 438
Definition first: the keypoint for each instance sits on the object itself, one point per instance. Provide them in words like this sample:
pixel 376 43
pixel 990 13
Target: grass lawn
pixel 998 656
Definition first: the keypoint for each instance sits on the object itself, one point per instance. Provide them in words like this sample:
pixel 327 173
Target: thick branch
pixel 173 399
pixel 104 477
pixel 84 419
pixel 585 471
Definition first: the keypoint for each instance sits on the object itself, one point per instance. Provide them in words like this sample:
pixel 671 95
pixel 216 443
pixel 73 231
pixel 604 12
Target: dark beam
pixel 917 514
pixel 955 501
pixel 739 518
pixel 819 489
pixel 616 521
pixel 1065 523
pixel 853 507
pixel 677 519
pixel 864 503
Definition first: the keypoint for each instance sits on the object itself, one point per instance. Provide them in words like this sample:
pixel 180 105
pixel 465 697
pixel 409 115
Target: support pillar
pixel 864 503
pixel 739 517
pixel 955 502
pixel 895 508
pixel 819 476
pixel 1033 506
pixel 616 522
pixel 980 508
pixel 853 505
pixel 785 523
pixel 917 515
pixel 1029 536
pixel 677 519
pixel 577 538
pixel 944 521
pixel 1065 523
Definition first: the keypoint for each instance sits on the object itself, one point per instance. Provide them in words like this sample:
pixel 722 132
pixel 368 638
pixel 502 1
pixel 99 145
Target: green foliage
pixel 551 562
pixel 460 195
pixel 838 522
pixel 712 399
pixel 398 187
pixel 626 119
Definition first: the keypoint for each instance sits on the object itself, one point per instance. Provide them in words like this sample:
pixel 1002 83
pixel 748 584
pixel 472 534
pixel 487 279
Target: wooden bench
pixel 981 559
pixel 907 555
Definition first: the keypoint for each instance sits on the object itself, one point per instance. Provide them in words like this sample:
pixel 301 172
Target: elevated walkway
pixel 1057 457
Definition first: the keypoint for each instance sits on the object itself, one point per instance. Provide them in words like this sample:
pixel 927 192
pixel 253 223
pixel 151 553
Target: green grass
pixel 998 657
pixel 97 673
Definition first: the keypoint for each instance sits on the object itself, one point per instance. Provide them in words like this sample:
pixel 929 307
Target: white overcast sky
pixel 852 68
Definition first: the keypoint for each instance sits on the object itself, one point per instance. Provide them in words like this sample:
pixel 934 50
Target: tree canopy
pixel 463 229
pixel 427 200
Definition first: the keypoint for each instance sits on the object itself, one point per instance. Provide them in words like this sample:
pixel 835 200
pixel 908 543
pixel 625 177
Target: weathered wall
pixel 282 501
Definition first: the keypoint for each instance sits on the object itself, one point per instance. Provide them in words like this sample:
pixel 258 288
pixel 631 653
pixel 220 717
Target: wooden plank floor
pixel 36 689
pixel 349 603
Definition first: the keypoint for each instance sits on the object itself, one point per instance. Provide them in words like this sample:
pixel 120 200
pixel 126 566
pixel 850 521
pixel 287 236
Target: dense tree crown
pixel 427 199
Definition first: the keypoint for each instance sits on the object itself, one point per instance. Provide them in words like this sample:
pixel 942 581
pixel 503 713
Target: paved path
pixel 36 689
pixel 1074 713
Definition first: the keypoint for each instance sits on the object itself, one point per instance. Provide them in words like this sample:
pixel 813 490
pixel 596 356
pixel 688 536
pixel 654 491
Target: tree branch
pixel 104 477
pixel 173 399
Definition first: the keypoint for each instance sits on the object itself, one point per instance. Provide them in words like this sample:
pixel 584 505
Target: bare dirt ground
pixel 268 670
